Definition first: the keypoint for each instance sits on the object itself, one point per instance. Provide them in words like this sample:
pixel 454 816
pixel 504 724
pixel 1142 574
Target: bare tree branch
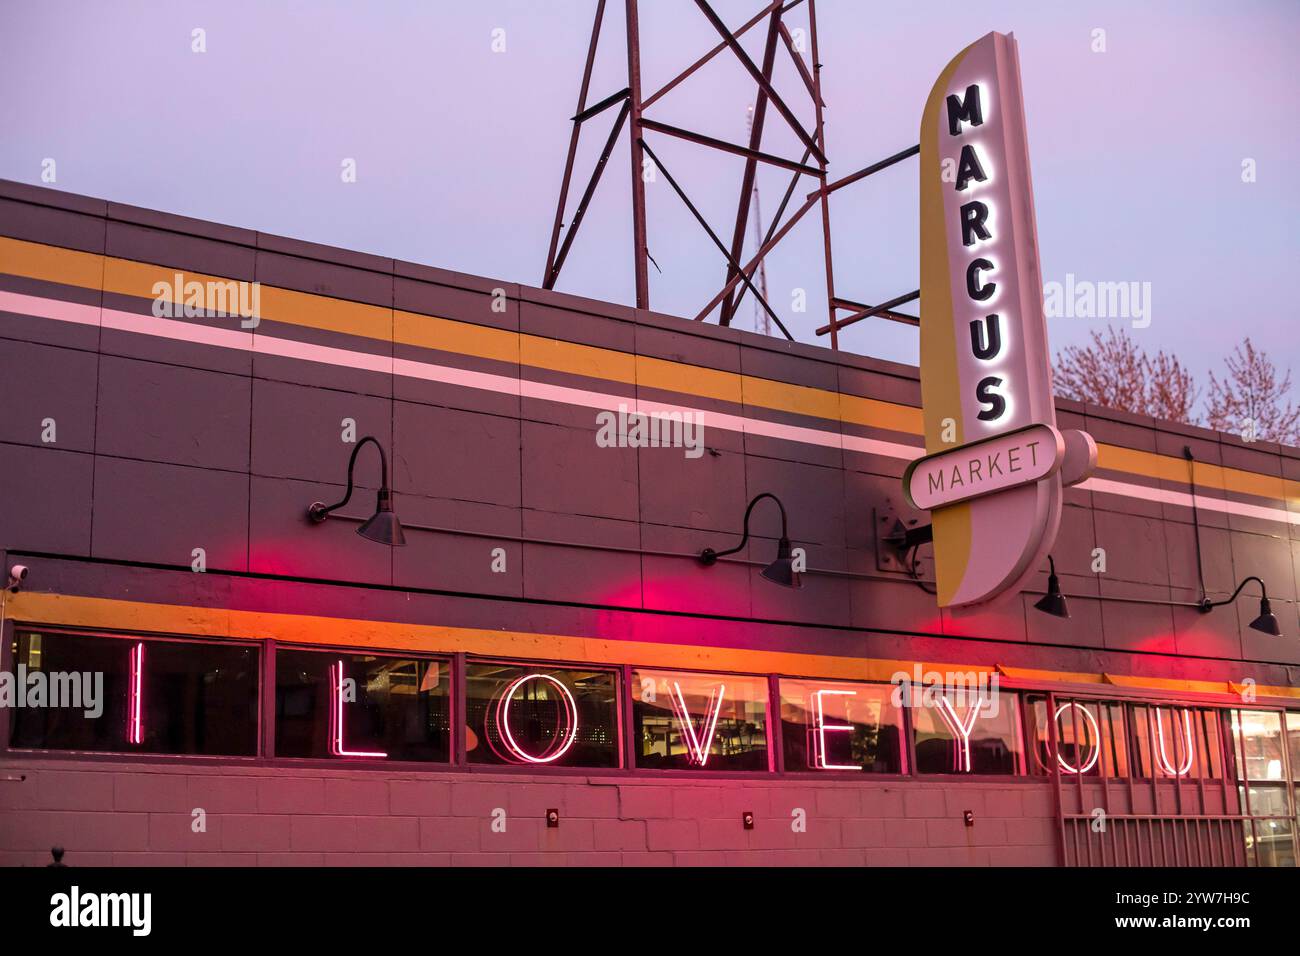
pixel 1249 398
pixel 1113 371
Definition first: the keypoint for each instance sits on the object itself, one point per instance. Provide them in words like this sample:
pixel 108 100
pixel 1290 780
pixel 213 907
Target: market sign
pixel 995 463
pixel 985 467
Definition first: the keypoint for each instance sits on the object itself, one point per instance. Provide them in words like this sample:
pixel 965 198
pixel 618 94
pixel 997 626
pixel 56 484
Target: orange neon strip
pixel 38 609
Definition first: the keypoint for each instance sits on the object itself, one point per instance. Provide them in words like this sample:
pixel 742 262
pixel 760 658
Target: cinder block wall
pixel 127 813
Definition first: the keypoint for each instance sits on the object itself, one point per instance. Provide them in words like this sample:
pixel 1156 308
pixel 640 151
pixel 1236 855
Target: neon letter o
pixel 1096 738
pixel 568 735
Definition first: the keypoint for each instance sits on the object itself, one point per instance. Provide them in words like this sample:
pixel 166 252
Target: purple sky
pixel 1137 152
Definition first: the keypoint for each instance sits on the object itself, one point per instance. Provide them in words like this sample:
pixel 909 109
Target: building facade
pixel 545 672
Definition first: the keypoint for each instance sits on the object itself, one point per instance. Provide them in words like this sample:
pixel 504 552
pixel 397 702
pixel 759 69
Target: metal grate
pixel 1161 790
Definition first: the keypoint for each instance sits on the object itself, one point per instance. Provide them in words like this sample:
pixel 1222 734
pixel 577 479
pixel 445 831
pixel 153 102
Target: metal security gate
pixel 1155 783
pixel 1152 840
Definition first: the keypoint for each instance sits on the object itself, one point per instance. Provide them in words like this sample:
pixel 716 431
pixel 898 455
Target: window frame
pixel 453 693
pixel 905 755
pixel 696 774
pixel 1220 709
pixel 1030 697
pixel 1289 785
pixel 1019 732
pixel 9 637
pixel 461 727
pixel 457 762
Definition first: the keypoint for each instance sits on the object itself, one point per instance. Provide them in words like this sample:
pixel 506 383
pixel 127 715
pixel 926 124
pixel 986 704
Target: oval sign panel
pixel 984 467
pixel 986 378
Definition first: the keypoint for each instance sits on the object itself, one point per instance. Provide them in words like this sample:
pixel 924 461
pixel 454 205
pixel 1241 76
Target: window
pixel 1090 737
pixel 1257 738
pixel 699 721
pixel 836 726
pixel 1261 756
pixel 1269 834
pixel 353 706
pixel 156 696
pixel 1293 741
pixel 541 716
pixel 1171 741
pixel 964 731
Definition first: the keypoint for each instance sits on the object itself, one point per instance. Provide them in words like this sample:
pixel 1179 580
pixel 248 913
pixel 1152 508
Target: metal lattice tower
pixel 633 106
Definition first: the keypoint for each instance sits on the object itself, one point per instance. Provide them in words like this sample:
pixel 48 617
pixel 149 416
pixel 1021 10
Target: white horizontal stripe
pixel 62 311
pixel 1183 499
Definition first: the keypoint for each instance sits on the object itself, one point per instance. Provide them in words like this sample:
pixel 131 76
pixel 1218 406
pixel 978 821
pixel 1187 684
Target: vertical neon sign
pixel 135 696
pixel 337 747
pixel 697 748
pixel 566 736
pixel 985 364
pixel 820 758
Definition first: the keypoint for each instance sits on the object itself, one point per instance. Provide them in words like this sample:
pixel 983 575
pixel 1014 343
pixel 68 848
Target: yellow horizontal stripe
pixel 462 338
pixel 607 364
pixel 39 609
pixel 877 414
pixel 688 379
pixel 1194 686
pixel 1030 674
pixel 324 312
pixel 800 399
pixel 1117 458
pixel 32 260
pixel 86 270
pixel 126 277
pixel 1170 684
pixel 1173 469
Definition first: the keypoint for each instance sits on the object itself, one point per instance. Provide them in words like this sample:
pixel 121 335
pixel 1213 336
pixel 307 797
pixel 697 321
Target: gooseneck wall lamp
pixel 781 571
pixel 383 526
pixel 1053 602
pixel 1267 620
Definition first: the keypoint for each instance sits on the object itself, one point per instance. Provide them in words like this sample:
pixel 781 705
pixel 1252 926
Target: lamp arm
pixel 318 512
pixel 1208 605
pixel 714 555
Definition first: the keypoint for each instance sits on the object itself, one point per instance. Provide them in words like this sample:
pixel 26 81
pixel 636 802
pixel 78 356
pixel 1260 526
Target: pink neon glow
pixel 820 759
pixel 697 748
pixel 336 718
pixel 960 728
pixel 1096 739
pixel 1162 755
pixel 571 717
pixel 135 696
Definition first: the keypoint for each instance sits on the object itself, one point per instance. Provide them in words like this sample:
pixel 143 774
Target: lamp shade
pixel 781 571
pixel 1267 620
pixel 1053 602
pixel 383 527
